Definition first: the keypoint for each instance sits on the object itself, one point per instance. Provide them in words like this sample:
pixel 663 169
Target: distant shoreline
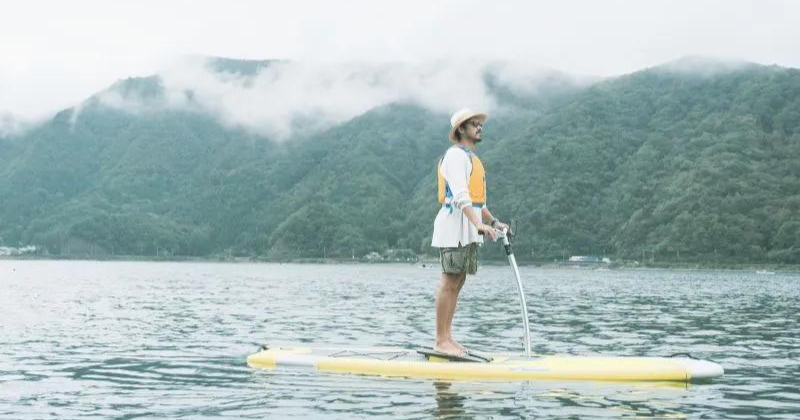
pixel 767 268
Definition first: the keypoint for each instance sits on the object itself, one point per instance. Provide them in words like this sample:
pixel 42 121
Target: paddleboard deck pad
pixel 433 355
pixel 411 363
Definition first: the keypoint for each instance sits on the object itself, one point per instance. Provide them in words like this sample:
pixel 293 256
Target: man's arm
pixel 475 219
pixel 488 217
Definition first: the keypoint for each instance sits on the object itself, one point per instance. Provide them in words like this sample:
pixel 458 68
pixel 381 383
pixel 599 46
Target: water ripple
pixel 167 340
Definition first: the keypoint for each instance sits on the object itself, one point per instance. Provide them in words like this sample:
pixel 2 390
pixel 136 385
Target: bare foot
pixel 458 345
pixel 447 347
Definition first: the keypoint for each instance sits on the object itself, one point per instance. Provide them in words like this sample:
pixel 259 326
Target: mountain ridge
pixel 646 163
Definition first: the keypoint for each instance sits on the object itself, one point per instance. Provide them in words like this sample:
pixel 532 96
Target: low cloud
pixel 284 98
pixel 10 125
pixel 527 79
pixel 131 102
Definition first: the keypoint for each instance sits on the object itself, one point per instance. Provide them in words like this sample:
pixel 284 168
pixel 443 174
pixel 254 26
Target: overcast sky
pixel 55 54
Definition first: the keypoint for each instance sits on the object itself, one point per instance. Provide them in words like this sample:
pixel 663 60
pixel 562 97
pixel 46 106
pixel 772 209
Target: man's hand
pixel 501 226
pixel 488 231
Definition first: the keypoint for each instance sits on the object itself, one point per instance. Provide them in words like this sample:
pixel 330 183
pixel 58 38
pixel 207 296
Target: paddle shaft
pixel 513 262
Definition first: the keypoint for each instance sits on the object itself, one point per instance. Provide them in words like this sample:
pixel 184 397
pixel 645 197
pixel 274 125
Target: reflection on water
pixel 166 340
pixel 449 404
pixel 581 400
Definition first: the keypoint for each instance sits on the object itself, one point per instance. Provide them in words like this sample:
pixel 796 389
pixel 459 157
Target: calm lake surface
pixel 123 340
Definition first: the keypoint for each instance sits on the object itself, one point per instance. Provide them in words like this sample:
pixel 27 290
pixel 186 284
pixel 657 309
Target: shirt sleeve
pixel 456 167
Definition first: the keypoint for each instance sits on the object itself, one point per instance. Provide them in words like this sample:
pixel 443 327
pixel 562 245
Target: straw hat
pixel 460 117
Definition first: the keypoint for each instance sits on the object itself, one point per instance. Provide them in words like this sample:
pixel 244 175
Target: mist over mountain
pixel 695 160
pixel 10 125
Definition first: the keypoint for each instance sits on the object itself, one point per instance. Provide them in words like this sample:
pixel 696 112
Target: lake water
pixel 123 340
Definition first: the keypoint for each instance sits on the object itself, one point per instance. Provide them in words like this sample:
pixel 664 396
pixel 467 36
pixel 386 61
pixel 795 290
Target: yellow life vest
pixel 476 184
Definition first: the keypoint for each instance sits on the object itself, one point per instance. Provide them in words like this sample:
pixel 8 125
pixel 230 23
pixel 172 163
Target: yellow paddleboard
pixel 400 362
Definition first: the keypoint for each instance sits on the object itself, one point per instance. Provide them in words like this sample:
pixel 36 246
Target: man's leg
pixel 470 266
pixel 462 280
pixel 446 299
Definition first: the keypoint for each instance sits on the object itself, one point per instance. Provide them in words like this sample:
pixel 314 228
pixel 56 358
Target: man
pixel 462 193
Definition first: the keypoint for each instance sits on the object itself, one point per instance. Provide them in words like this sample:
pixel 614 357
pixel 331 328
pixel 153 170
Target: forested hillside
pixel 668 163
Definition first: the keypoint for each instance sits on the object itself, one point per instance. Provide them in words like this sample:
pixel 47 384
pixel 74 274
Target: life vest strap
pixel 478 206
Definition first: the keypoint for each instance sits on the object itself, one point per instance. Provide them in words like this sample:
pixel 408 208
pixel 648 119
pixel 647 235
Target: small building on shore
pixel 588 259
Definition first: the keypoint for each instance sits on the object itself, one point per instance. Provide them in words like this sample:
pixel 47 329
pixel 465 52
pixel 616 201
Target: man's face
pixel 473 129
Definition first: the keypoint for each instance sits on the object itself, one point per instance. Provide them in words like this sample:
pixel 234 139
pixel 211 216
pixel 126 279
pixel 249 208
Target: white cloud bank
pixel 10 125
pixel 55 54
pixel 286 96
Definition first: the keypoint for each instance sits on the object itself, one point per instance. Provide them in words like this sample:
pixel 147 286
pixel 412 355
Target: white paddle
pixel 502 234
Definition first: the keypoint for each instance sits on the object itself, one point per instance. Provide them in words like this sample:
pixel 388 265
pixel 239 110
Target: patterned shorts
pixel 463 259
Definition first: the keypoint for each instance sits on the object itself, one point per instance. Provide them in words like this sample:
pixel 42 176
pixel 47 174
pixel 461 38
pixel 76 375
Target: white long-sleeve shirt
pixel 452 228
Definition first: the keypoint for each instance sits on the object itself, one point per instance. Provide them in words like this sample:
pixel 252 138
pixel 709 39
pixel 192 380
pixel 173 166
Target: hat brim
pixel 462 120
